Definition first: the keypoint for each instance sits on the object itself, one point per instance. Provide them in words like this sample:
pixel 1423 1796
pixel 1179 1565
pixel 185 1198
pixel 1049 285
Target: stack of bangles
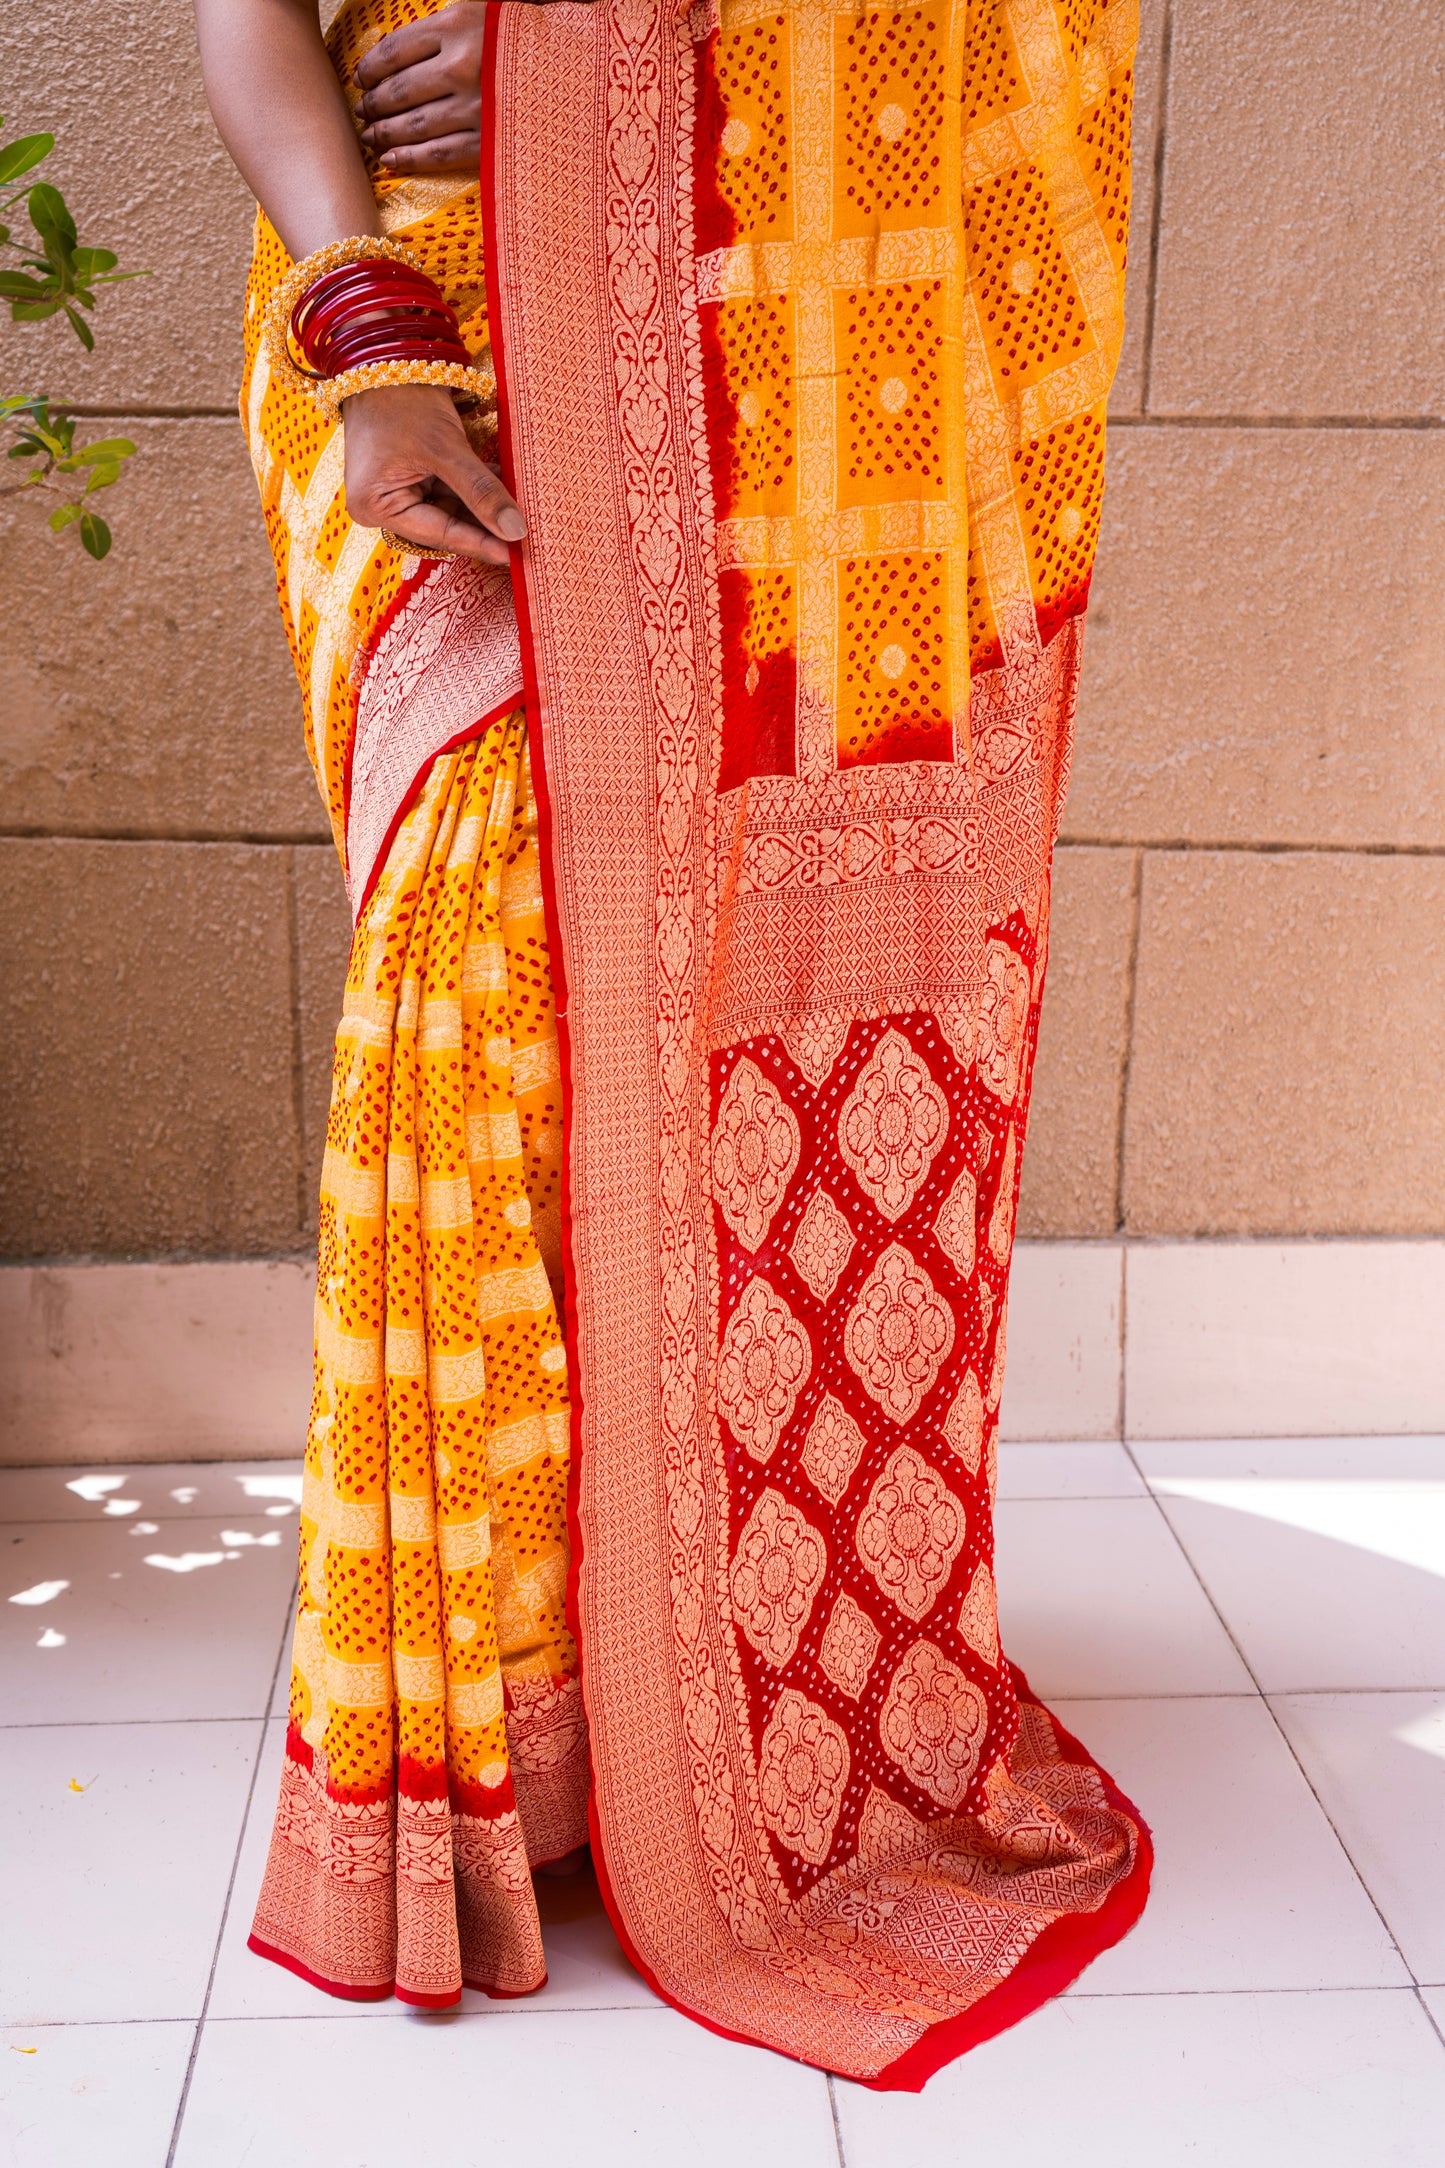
pixel 363 314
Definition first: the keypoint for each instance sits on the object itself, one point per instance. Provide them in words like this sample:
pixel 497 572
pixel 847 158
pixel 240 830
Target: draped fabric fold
pixel 804 318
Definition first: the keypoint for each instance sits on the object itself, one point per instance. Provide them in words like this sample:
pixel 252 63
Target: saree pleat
pixel 434 1717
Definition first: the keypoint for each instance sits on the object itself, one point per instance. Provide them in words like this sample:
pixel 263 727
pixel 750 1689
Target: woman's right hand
pixel 410 469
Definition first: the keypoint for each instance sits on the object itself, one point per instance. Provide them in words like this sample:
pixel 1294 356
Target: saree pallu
pixel 803 318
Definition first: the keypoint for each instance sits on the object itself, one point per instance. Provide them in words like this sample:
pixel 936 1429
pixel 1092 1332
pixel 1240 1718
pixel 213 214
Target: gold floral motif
pixel 964 1424
pixel 801 1774
pixel 777 1570
pixel 932 1724
pixel 815 1042
pixel 898 1332
pixel 822 1245
pixel 763 1364
pixel 832 1449
pixel 910 1532
pixel 755 1146
pixel 956 1224
pixel 892 1124
pixel 1002 1018
pixel 978 1620
pixel 850 1643
pixel 1001 1219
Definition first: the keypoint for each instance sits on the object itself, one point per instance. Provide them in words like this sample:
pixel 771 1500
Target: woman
pixel 696 812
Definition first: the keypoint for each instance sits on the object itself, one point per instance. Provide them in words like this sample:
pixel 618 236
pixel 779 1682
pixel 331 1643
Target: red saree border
pixel 346 1993
pixel 1060 1950
pixel 546 828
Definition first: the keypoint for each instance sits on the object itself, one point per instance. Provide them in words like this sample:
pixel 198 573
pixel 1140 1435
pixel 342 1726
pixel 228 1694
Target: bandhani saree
pixel 667 1325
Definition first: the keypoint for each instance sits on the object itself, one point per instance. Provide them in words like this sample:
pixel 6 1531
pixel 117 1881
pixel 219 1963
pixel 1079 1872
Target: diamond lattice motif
pixel 832 1449
pixel 777 1570
pixel 898 1333
pixel 910 1532
pixel 892 1124
pixel 763 1364
pixel 932 1724
pixel 755 1146
pixel 822 1245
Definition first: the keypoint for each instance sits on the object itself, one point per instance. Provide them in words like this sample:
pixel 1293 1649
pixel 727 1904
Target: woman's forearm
pixel 281 115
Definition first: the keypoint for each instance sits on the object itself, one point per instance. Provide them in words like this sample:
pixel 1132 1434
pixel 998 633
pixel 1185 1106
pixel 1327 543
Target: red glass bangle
pixel 340 295
pixel 375 310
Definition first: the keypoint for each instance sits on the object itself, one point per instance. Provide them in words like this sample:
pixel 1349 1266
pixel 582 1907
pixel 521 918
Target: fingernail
pixel 511 524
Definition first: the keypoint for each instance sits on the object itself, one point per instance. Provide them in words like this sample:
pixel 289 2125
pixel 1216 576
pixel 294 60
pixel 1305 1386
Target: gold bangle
pixel 477 383
pixel 415 549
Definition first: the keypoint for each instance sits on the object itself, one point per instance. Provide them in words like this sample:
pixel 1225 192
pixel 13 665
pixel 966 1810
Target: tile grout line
pixel 1126 1065
pixel 837 2123
pixel 1364 423
pixel 1156 209
pixel 1286 1741
pixel 1430 2018
pixel 185 2092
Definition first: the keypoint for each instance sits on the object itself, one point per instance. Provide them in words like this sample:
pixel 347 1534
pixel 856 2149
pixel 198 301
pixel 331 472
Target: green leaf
pixel 50 216
pixel 103 448
pixel 94 534
pixel 81 329
pixel 26 151
pixel 91 263
pixel 63 515
pixel 102 477
pixel 19 284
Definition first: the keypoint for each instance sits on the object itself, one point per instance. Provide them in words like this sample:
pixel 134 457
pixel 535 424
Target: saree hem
pixel 344 1990
pixel 1055 1960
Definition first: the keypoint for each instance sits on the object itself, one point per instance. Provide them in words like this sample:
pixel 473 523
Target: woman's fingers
pixel 482 492
pixel 444 116
pixel 437 524
pixel 402 48
pixel 447 154
pixel 410 469
pixel 411 87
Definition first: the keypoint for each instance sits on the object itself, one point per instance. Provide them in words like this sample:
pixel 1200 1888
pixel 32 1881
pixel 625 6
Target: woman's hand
pixel 423 93
pixel 409 468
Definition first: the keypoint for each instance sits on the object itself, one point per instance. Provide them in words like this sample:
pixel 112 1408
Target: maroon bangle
pixel 375 310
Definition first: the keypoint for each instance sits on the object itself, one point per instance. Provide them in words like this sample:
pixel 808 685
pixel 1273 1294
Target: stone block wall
pixel 1248 979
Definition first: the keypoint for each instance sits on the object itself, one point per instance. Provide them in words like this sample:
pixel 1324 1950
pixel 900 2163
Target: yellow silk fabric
pixel 434 1548
pixel 335 579
pixel 924 214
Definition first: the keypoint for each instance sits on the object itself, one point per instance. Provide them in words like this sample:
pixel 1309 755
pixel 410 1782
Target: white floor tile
pixel 90 2094
pixel 125 1637
pixel 1350 2080
pixel 1434 2001
pixel 1095 1598
pixel 1099 1470
pixel 1388 1461
pixel 1328 1581
pixel 112 1894
pixel 586 1969
pixel 1251 1887
pixel 1378 1763
pixel 611 2089
pixel 164 1491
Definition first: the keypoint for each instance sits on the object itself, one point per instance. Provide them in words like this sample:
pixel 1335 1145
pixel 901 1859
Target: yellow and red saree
pixel 804 317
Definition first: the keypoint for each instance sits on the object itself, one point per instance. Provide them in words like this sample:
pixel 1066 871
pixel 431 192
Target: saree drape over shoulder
pixel 666 1327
